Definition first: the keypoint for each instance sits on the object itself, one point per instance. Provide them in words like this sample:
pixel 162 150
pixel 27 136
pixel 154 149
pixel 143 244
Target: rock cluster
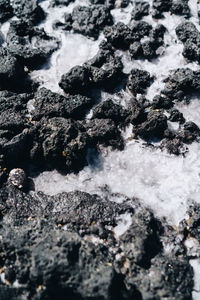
pixel 66 246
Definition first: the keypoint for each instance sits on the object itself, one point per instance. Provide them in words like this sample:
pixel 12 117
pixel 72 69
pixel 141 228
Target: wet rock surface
pixel 81 245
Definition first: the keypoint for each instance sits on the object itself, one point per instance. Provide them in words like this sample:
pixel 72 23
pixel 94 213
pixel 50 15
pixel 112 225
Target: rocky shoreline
pixel 66 246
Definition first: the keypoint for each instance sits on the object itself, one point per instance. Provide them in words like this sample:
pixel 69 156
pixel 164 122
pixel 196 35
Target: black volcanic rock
pixel 138 81
pixel 13 111
pixel 84 210
pixel 148 49
pixel 190 37
pixel 190 133
pixel 105 132
pixel 173 146
pixel 181 82
pixel 62 2
pixel 141 241
pixel 35 248
pixel 103 71
pixel 172 279
pixel 136 50
pixel 112 3
pixel 141 9
pixel 62 143
pixel 76 80
pixel 119 35
pixel 160 101
pixel 48 105
pixel 90 20
pixel 74 268
pixel 108 75
pixel 180 7
pixel 31 46
pixel 6 11
pixel 11 71
pixel 153 127
pixel 110 110
pixel 191 227
pixel 136 114
pixel 176 116
pixel 161 6
pixel 28 11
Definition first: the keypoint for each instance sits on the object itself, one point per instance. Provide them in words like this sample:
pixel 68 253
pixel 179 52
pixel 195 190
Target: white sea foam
pixel 163 182
pixel 75 49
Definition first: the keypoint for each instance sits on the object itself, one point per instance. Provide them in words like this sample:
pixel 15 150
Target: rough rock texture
pixel 28 10
pixel 190 37
pixel 153 127
pixel 176 116
pixel 180 7
pixel 13 111
pixel 142 245
pixel 48 105
pixel 161 6
pixel 173 145
pixel 76 245
pixel 62 143
pixel 11 71
pixel 181 83
pixel 112 3
pixel 110 110
pixel 31 46
pixel 141 9
pixel 76 80
pixel 121 36
pixel 103 71
pixel 90 20
pixel 6 11
pixel 136 112
pixel 149 48
pixel 138 81
pixel 73 268
pixel 34 252
pixel 162 102
pixel 190 133
pixel 105 132
pixel 191 227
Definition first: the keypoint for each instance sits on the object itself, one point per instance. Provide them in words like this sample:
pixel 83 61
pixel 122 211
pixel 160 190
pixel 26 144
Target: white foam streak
pixel 163 182
pixel 75 49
